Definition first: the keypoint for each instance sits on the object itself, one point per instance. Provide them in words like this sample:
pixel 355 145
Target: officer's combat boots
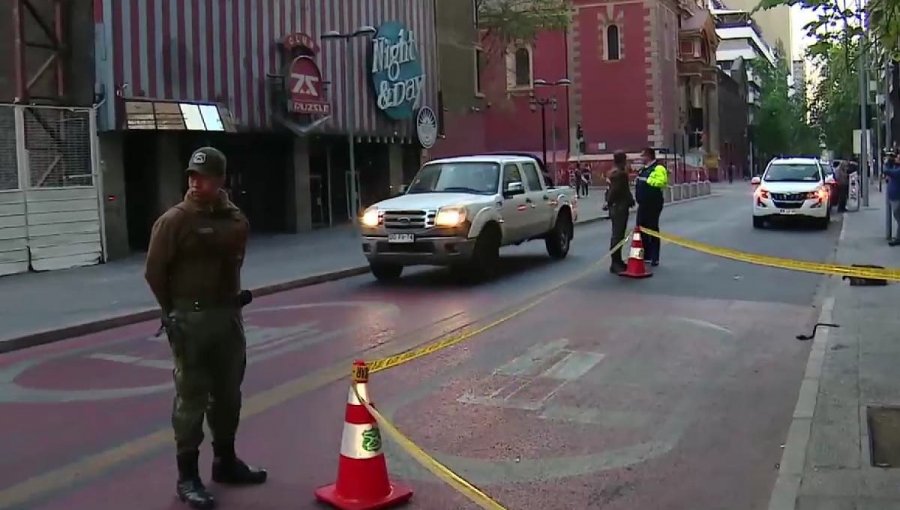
pixel 190 488
pixel 228 469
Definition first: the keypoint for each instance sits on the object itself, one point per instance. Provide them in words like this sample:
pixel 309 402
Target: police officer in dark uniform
pixel 618 201
pixel 193 268
pixel 648 190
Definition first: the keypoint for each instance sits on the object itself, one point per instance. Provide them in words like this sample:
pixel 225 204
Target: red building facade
pixel 629 88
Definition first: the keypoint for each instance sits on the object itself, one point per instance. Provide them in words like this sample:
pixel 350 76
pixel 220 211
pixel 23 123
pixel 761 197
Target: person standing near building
pixel 585 181
pixel 648 189
pixel 892 172
pixel 618 202
pixel 193 269
pixel 842 179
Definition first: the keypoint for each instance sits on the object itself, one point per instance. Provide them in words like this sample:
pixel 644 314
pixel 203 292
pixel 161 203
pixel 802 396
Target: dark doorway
pixel 141 185
pixel 319 182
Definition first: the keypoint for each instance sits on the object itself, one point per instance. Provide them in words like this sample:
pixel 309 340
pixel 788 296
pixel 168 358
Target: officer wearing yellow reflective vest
pixel 648 190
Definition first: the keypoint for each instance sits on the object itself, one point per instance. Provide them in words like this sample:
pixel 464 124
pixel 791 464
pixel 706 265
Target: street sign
pixel 305 88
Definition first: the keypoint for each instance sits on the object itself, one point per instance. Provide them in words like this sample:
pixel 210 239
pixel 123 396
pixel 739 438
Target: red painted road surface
pixel 579 403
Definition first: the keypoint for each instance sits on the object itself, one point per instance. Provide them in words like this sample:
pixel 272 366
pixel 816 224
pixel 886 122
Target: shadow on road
pixel 434 278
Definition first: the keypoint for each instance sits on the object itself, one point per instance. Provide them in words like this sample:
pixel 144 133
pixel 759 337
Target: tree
pixel 835 109
pixel 508 21
pixel 841 21
pixel 503 23
pixel 782 126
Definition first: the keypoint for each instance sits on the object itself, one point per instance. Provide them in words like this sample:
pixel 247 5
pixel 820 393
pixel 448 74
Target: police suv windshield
pixel 469 177
pixel 793 172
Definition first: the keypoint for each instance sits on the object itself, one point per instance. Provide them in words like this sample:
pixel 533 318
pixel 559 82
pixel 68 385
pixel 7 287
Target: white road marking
pixel 572 366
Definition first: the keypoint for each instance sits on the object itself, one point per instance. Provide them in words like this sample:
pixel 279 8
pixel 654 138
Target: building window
pixel 519 68
pixel 479 70
pixel 612 43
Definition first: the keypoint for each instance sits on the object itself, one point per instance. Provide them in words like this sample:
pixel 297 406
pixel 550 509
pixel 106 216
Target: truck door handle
pixel 546 197
pixel 528 200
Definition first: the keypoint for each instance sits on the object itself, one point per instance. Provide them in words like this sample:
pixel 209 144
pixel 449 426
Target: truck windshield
pixel 474 177
pixel 793 173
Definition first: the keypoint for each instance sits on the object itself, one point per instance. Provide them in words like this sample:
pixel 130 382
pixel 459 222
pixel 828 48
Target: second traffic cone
pixel 636 267
pixel 362 477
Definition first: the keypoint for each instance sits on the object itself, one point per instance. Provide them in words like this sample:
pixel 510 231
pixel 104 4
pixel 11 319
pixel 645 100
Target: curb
pixel 95 326
pixel 793 459
pixel 85 328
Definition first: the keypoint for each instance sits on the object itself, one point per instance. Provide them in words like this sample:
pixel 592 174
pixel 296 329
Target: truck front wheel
pixel 386 272
pixel 559 240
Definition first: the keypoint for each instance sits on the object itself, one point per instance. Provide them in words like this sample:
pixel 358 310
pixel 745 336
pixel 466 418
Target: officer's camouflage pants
pixel 210 355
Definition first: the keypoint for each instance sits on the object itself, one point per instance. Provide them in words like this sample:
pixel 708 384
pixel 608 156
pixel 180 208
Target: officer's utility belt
pixel 239 300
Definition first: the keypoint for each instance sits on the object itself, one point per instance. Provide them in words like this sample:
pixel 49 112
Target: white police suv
pixel 792 188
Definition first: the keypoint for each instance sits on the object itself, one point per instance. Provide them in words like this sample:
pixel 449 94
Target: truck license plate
pixel 401 238
pixel 787 211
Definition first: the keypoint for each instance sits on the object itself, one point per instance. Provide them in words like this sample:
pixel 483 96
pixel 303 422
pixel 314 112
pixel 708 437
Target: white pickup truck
pixel 458 212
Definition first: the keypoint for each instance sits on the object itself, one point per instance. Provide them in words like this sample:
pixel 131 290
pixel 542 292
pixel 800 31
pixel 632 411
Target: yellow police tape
pixel 892 274
pixel 452 479
pixel 443 472
pixel 430 348
pixel 473 493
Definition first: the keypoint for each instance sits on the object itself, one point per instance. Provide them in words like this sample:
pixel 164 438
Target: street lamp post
pixel 535 102
pixel 363 31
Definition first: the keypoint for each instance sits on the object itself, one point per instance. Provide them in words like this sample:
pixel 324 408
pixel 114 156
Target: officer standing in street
pixel 618 202
pixel 194 269
pixel 648 190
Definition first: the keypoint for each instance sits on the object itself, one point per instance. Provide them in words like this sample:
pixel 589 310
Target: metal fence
pixel 9 167
pixel 51 215
pixel 58 142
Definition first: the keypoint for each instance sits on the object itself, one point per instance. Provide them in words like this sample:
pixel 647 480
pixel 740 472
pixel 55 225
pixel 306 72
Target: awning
pixel 143 114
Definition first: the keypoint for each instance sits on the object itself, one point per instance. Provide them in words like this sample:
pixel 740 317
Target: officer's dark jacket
pixel 618 194
pixel 650 182
pixel 196 252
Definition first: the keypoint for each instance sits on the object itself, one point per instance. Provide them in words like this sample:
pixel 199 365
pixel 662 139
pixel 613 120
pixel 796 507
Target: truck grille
pixel 789 196
pixel 409 220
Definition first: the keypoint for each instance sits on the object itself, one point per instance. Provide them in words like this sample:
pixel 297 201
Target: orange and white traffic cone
pixel 636 267
pixel 362 477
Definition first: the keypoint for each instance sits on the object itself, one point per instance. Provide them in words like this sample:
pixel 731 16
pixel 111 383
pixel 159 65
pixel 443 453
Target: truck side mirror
pixel 755 181
pixel 513 189
pixel 403 188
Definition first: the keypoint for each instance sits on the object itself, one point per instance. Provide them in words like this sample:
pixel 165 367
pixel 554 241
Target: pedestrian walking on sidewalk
pixel 648 190
pixel 585 181
pixel 892 172
pixel 842 178
pixel 618 201
pixel 194 269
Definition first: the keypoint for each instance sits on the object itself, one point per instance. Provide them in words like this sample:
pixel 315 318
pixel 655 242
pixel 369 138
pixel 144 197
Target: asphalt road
pixel 668 393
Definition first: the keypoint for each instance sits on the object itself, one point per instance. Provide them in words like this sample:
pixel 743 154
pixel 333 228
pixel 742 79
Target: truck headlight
pixel 371 218
pixel 450 217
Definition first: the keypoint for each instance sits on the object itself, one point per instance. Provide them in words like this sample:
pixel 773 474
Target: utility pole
pixel 863 126
pixel 863 116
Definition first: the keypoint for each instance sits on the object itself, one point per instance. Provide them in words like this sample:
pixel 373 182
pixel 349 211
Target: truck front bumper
pixel 427 251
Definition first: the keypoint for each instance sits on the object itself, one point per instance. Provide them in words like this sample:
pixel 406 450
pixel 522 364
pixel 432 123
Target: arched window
pixel 612 43
pixel 523 67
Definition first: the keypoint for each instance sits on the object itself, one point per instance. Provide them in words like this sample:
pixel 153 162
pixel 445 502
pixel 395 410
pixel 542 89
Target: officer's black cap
pixel 207 161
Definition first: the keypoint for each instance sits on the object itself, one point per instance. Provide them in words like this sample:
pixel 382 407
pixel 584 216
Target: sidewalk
pixel 37 308
pixel 827 462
